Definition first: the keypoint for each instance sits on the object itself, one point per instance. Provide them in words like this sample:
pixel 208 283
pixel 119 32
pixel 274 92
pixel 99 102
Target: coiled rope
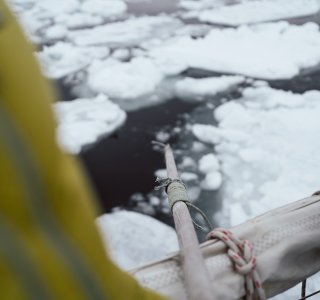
pixel 241 254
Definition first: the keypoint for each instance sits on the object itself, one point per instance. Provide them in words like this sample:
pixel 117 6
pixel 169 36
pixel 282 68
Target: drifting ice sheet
pixel 124 80
pixel 198 89
pixel 82 121
pixel 249 12
pixel 198 5
pixel 134 239
pixel 268 151
pixel 270 51
pixel 127 33
pixel 63 59
pixel 105 9
pixel 38 16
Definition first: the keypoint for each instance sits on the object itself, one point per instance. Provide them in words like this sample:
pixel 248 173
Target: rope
pixel 303 289
pixel 241 254
pixel 177 192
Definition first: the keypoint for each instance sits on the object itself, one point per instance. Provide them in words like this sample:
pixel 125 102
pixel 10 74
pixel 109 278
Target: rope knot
pixel 241 254
pixel 177 192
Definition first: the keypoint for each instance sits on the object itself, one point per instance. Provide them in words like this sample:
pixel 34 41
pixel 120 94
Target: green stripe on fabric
pixel 41 212
pixel 12 249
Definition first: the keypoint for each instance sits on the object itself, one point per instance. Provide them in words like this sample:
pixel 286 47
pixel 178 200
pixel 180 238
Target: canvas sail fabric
pixel 286 243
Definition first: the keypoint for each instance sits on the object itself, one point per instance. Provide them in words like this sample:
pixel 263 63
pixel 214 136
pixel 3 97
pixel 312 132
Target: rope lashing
pixel 241 254
pixel 176 191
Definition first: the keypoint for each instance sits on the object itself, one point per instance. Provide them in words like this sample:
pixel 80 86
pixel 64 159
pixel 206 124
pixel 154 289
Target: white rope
pixel 241 254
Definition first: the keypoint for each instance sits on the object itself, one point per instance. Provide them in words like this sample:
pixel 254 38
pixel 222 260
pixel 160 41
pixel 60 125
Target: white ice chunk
pixel 276 159
pixel 134 239
pixel 82 121
pixel 106 9
pixel 187 162
pixel 162 136
pixel 209 163
pixel 49 8
pixel 121 54
pixel 269 51
pixel 194 5
pixel 127 33
pixel 188 176
pixel 79 20
pixel 161 173
pixel 199 89
pixel 56 32
pixel 238 215
pixel 63 59
pixel 124 80
pixel 259 11
pixel 170 66
pixel 212 181
pixel 206 133
pixel 35 16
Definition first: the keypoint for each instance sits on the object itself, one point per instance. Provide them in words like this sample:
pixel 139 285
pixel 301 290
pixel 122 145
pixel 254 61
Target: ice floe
pixel 134 239
pixel 78 20
pixel 56 32
pixel 37 16
pixel 268 151
pixel 130 32
pixel 124 80
pixel 63 59
pixel 247 12
pixel 212 181
pixel 269 51
pixel 105 9
pixel 198 5
pixel 82 121
pixel 199 89
pixel 209 163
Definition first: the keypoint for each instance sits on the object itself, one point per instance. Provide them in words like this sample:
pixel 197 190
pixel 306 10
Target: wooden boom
pixel 195 273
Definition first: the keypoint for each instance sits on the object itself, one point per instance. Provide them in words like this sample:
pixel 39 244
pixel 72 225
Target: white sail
pixel 286 244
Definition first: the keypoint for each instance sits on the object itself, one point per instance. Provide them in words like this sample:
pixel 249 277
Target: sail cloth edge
pixel 286 243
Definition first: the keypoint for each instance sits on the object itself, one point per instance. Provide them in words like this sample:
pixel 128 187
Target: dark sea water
pixel 124 163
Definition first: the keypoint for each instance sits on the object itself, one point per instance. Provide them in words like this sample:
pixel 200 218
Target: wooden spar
pixel 195 273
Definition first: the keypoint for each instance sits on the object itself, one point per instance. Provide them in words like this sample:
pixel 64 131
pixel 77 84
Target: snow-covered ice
pixel 130 32
pixel 199 5
pixel 124 80
pixel 267 146
pixel 63 59
pixel 199 89
pixel 78 20
pixel 56 32
pixel 212 181
pixel 209 163
pixel 269 51
pixel 82 121
pixel 105 9
pixel 122 54
pixel 134 239
pixel 257 11
pixel 37 16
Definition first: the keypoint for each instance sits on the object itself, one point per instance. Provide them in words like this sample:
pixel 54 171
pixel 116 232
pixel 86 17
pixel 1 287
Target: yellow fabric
pixel 49 245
